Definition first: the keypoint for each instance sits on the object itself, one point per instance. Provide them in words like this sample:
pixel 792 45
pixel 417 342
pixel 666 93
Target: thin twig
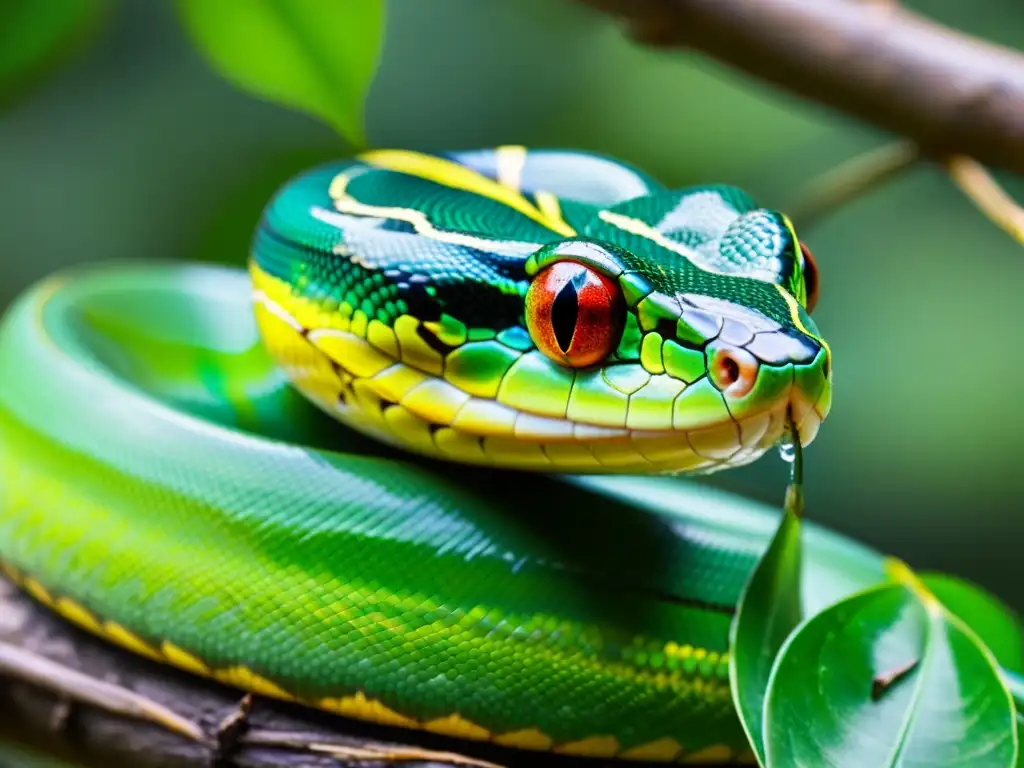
pixel 233 727
pixel 73 685
pixel 316 743
pixel 986 193
pixel 851 179
pixel 883 682
pixel 399 755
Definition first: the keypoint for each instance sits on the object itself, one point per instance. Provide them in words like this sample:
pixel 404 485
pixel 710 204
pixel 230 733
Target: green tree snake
pixel 166 485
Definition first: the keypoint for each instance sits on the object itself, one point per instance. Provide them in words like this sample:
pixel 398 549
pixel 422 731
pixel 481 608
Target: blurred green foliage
pixel 140 150
pixel 37 37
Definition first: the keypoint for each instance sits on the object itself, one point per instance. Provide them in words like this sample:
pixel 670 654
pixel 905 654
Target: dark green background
pixel 137 150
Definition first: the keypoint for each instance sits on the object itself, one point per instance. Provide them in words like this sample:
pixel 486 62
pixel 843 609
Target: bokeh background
pixel 136 149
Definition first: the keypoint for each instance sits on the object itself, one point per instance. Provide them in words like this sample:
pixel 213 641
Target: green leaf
pixel 887 677
pixel 1020 739
pixel 1015 684
pixel 36 37
pixel 994 623
pixel 768 610
pixel 315 56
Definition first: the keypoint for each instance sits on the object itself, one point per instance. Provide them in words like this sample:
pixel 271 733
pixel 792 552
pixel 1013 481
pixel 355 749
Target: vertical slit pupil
pixel 564 312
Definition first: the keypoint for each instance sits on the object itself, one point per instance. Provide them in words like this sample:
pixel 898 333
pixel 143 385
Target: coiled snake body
pixel 165 485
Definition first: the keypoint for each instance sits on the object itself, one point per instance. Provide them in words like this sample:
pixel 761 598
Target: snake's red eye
pixel 574 314
pixel 810 278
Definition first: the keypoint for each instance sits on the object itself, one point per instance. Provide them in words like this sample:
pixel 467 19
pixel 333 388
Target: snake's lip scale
pixel 811 415
pixel 810 407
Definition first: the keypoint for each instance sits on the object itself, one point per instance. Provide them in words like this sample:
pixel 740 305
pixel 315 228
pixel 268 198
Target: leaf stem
pixel 794 500
pixel 797 475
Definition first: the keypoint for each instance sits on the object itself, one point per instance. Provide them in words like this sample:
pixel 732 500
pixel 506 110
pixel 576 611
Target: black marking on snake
pixel 420 303
pixel 432 427
pixel 433 341
pixel 668 328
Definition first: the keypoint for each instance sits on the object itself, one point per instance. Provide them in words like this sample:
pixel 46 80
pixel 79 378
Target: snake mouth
pixel 486 432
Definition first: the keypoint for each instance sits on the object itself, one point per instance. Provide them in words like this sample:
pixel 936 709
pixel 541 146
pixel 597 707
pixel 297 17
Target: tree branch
pixel 949 93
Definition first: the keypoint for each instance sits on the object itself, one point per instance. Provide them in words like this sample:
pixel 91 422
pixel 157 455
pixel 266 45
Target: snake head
pixel 548 310
pixel 702 367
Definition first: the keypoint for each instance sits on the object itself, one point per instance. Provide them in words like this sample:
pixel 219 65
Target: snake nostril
pixel 732 370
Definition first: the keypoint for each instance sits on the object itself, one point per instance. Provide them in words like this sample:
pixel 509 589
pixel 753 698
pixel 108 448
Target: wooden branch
pixel 949 93
pixel 112 709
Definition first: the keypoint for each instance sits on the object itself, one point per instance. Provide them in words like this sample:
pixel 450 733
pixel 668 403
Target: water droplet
pixel 787 447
